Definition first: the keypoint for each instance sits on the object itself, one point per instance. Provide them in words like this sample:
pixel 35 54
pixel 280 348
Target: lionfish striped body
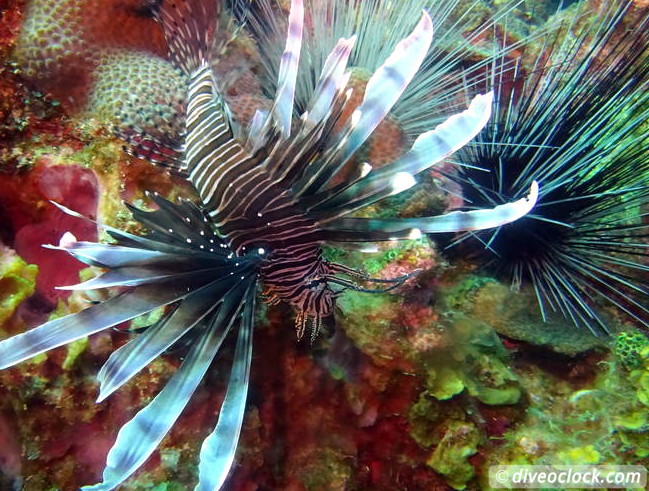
pixel 272 192
pixel 270 199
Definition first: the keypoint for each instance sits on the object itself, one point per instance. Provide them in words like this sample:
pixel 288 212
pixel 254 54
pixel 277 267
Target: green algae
pixel 17 282
pixel 515 315
pixel 603 421
pixel 450 457
pixel 475 361
pixel 329 469
pixel 423 417
pixel 74 350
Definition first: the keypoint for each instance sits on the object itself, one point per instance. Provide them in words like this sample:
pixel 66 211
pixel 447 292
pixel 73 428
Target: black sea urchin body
pixel 575 119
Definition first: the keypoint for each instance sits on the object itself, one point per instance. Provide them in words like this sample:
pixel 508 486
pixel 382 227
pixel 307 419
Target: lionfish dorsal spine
pixel 282 111
pixel 428 149
pixel 382 91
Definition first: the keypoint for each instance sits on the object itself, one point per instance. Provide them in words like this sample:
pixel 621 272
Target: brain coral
pixel 105 59
pixel 62 41
pixel 133 88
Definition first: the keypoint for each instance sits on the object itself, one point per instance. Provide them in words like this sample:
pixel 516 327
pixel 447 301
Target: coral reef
pixel 420 388
pixel 17 282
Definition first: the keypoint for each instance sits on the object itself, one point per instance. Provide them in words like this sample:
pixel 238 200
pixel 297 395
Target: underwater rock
pixel 450 457
pixel 485 300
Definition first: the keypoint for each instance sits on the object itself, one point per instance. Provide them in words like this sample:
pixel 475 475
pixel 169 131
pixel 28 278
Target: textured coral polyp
pixel 62 42
pixel 133 88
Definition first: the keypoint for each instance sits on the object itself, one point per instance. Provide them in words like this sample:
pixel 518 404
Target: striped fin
pixel 144 275
pixel 108 256
pixel 138 438
pixel 282 109
pixel 429 149
pixel 332 80
pixel 163 150
pixel 382 91
pixel 66 329
pixel 218 449
pixel 370 229
pixel 213 158
pixel 128 360
pixel 189 27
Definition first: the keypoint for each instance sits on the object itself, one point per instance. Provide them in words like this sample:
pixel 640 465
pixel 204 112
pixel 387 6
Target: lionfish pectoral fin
pixel 138 438
pixel 218 449
pixel 129 359
pixel 136 243
pixel 364 229
pixel 108 255
pixel 64 330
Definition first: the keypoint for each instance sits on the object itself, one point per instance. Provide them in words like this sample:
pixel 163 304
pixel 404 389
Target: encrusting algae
pixel 422 387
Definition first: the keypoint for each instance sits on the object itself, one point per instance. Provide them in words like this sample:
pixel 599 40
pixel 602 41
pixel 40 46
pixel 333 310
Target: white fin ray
pixel 429 149
pixel 377 229
pixel 332 80
pixel 218 449
pixel 138 438
pixel 282 109
pixel 385 87
pixel 67 329
pixel 129 359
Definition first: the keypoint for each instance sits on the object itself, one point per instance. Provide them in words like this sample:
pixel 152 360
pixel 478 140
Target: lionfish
pixel 270 200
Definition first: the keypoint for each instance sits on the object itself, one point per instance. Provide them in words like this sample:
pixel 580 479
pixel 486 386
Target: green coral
pixel 74 350
pixel 17 282
pixel 604 421
pixel 423 418
pixel 444 383
pixel 639 377
pixel 477 362
pixel 583 455
pixel 373 263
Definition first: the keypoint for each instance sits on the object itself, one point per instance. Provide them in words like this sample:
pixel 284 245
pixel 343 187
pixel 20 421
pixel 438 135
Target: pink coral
pixel 76 188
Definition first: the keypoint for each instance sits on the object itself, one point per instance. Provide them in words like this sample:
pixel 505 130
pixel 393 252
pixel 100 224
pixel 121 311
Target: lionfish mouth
pixel 275 187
